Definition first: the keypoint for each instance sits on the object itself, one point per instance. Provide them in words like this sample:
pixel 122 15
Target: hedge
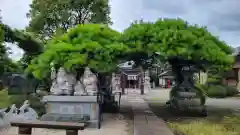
pixel 220 91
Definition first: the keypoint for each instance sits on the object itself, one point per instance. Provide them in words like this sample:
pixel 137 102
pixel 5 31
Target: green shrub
pixel 213 81
pixel 4 100
pixel 231 91
pixel 217 91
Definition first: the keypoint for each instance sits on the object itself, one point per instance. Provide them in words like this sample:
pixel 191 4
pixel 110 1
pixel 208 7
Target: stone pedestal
pixel 72 109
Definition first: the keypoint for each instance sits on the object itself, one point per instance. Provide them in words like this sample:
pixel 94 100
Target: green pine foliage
pixel 177 38
pixel 90 45
pixel 101 48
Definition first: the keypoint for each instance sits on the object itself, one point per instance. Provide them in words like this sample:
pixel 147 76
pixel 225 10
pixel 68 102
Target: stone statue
pixel 25 112
pixel 8 114
pixel 90 82
pixel 4 121
pixel 62 82
pixel 79 89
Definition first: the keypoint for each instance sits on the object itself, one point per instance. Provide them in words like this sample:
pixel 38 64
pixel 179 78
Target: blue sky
pixel 222 17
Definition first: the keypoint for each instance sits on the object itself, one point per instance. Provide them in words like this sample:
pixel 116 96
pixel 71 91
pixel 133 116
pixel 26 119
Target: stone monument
pixel 116 83
pixel 72 100
pixel 184 97
pixel 147 84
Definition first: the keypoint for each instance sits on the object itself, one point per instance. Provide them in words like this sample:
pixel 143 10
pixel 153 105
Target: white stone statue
pixel 25 112
pixel 23 107
pixel 6 115
pixel 13 113
pixel 90 82
pixel 79 89
pixel 62 82
pixel 4 121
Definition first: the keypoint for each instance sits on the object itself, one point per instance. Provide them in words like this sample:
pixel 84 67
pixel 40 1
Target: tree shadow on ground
pixel 125 114
pixel 214 114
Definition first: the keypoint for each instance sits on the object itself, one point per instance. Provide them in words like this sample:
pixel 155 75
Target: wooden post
pixel 71 132
pixel 24 130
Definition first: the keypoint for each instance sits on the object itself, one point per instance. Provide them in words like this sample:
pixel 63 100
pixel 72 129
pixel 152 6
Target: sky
pixel 220 16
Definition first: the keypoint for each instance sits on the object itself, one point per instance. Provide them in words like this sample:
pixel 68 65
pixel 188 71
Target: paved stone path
pixel 145 121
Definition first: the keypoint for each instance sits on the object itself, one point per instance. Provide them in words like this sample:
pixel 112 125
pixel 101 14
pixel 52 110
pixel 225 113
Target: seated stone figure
pixel 90 82
pixel 62 82
pixel 79 89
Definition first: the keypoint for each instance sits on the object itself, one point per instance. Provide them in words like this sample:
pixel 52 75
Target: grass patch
pixel 219 121
pixel 4 99
pixel 228 126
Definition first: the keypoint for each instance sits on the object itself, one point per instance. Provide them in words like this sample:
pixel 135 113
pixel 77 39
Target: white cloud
pixel 221 16
pixel 13 13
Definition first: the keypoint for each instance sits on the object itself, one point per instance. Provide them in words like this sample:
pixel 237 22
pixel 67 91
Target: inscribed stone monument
pixel 116 80
pixel 147 84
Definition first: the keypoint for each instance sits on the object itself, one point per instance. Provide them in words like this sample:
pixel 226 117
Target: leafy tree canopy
pixel 100 48
pixel 23 39
pixel 56 16
pixel 88 45
pixel 6 64
pixel 175 38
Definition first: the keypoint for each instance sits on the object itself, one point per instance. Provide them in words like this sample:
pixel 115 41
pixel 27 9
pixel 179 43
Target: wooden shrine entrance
pixel 130 79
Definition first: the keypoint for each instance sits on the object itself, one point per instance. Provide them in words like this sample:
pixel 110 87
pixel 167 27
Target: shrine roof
pixel 166 73
pixel 130 71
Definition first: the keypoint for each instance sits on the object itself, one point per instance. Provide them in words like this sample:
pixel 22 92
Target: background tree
pixel 56 16
pixel 6 64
